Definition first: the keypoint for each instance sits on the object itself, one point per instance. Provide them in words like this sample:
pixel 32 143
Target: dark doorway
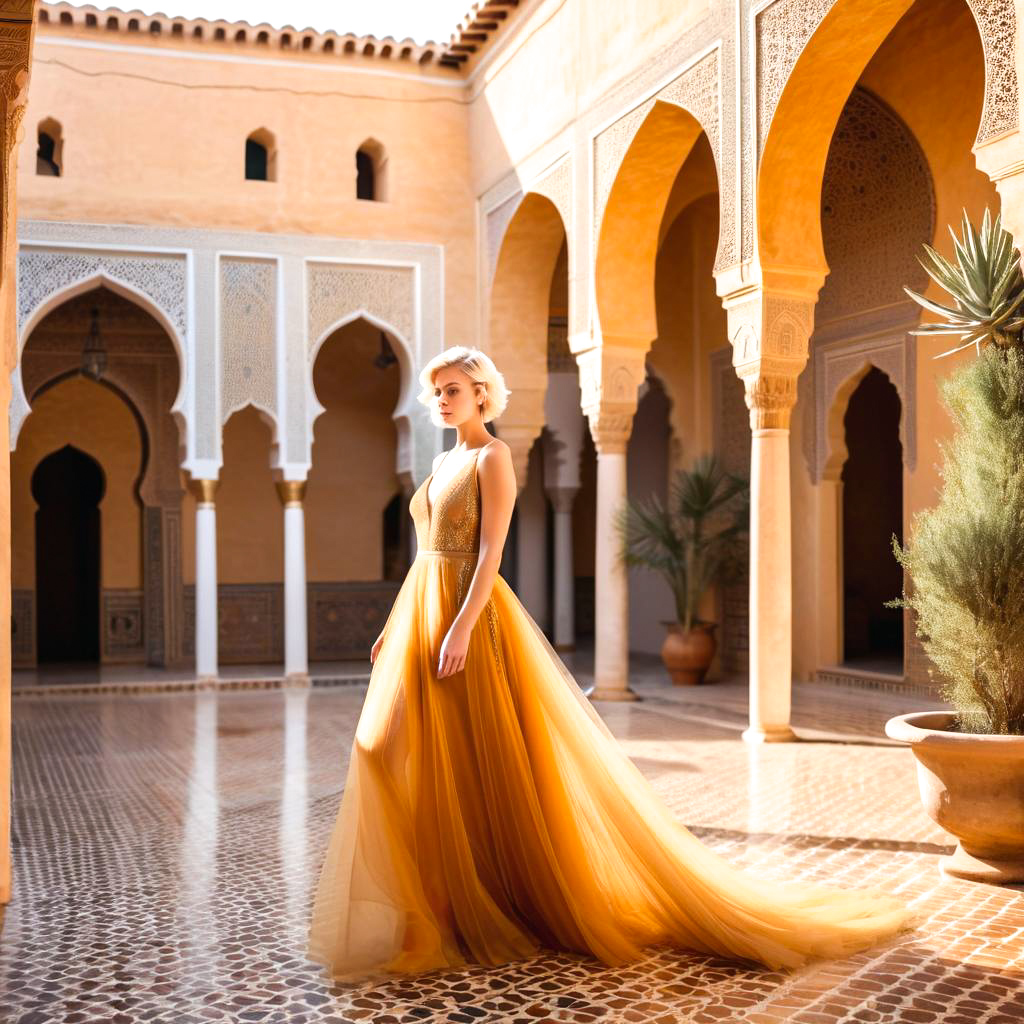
pixel 67 487
pixel 872 513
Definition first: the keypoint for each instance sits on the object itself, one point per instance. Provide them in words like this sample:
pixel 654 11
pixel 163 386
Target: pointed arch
pixel 101 278
pixel 517 335
pixel 406 407
pixel 627 244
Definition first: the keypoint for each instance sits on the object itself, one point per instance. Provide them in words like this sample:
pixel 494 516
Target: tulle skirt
pixel 492 813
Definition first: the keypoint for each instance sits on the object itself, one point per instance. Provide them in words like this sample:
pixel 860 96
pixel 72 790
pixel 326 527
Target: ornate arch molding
pixel 48 276
pixel 387 297
pixel 697 90
pixel 783 28
pixel 835 367
pixel 554 183
pixel 247 324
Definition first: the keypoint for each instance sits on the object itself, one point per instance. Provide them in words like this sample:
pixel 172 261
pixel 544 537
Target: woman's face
pixel 457 401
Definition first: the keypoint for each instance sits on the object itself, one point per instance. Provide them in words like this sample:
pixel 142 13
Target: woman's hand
pixel 375 649
pixel 453 650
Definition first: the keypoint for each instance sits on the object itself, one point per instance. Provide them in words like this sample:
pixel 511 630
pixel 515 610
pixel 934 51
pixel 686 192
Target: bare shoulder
pixel 437 460
pixel 495 459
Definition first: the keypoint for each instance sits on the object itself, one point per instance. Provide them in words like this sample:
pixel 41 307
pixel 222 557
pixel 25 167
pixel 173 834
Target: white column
pixel 771 587
pixel 611 587
pixel 206 580
pixel 296 660
pixel 564 591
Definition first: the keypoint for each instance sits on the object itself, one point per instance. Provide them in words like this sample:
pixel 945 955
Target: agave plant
pixel 986 284
pixel 695 539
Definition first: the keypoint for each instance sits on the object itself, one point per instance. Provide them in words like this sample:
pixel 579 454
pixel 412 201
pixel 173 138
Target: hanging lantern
pixel 386 357
pixel 94 355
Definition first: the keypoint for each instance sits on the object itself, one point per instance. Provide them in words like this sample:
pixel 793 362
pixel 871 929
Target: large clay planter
pixel 973 786
pixel 687 655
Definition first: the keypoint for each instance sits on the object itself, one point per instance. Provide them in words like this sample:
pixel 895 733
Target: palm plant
pixel 693 540
pixel 986 285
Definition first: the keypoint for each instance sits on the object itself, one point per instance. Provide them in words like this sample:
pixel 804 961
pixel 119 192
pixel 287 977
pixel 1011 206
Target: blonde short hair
pixel 479 367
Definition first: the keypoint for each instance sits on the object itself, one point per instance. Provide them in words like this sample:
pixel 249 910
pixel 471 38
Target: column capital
pixel 291 492
pixel 769 331
pixel 610 376
pixel 203 490
pixel 1002 160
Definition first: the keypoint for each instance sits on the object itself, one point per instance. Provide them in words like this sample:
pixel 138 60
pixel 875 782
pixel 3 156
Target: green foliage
pixel 986 285
pixel 966 561
pixel 696 539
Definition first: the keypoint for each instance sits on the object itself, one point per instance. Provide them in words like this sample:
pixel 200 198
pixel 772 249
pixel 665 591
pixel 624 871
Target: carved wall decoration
pixel 161 278
pixel 782 31
pixel 123 631
pixel 997 24
pixel 248 334
pixel 556 185
pixel 697 90
pixel 784 28
pixel 337 290
pixel 834 364
pixel 345 618
pixel 497 221
pixel 877 207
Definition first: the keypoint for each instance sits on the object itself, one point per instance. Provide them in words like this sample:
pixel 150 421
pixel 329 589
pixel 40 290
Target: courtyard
pixel 165 845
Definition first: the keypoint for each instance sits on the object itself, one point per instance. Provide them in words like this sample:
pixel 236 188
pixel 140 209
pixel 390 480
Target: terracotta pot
pixel 687 655
pixel 972 785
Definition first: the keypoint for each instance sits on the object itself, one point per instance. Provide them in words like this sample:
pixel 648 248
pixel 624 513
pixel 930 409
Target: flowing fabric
pixel 491 813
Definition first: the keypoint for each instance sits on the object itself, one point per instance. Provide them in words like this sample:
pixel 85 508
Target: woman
pixel 488 810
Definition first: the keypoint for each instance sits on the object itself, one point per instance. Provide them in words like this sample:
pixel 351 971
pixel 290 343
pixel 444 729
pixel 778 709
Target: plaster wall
pixel 97 421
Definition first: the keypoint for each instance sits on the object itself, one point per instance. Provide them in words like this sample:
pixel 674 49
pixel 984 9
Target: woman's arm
pixel 498 497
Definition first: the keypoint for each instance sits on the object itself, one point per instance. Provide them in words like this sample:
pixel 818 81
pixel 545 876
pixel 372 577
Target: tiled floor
pixel 165 845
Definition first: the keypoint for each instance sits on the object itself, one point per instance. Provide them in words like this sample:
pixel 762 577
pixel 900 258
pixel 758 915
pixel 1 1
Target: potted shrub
pixel 694 540
pixel 965 568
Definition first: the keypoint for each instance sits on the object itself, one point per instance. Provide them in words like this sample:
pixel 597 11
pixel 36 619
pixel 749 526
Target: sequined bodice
pixel 453 524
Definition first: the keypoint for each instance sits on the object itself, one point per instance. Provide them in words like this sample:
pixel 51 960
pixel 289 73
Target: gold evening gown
pixel 491 813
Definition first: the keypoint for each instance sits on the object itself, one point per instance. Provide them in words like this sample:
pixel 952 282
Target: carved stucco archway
pixel 387 296
pixel 405 411
pixel 517 336
pixel 48 279
pixel 809 56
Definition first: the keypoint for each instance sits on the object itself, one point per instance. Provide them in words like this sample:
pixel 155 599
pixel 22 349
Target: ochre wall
pixel 691 325
pixel 353 476
pixel 938 94
pixel 94 419
pixel 564 55
pixel 177 155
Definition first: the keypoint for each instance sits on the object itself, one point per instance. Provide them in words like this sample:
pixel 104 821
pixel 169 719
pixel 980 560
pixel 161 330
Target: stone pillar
pixel 609 378
pixel 769 331
pixel 564 631
pixel 296 660
pixel 1002 160
pixel 206 580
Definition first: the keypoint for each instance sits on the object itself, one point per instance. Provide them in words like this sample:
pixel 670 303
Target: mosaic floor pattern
pixel 166 844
